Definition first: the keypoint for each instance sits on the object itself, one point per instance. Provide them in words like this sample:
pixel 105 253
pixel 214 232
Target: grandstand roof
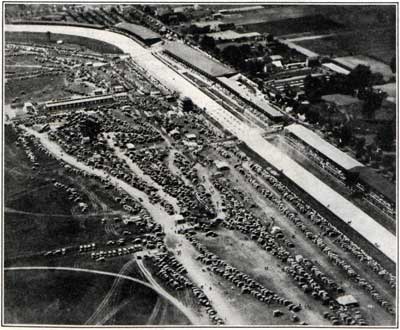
pixel 198 59
pixel 376 182
pixel 138 30
pixel 328 150
pixel 78 100
pixel 254 99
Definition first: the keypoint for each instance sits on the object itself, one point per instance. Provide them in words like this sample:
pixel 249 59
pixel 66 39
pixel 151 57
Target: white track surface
pixel 341 207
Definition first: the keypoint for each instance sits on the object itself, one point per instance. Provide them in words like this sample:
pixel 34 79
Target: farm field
pixel 298 25
pixel 379 44
pixel 375 65
pixel 270 14
pixel 72 298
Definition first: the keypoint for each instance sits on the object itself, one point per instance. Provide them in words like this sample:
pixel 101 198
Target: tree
pixel 386 135
pixel 359 77
pixel 207 43
pixel 196 37
pixel 393 64
pixel 359 146
pixel 148 10
pixel 187 104
pixel 345 134
pixel 289 92
pixel 231 55
pixel 372 101
pixel 301 108
pixel 313 115
pixel 313 88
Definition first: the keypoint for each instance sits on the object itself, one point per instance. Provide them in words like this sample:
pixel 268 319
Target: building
pixel 347 300
pixel 130 146
pixel 191 137
pixel 377 189
pixel 239 89
pixel 336 68
pixel 197 60
pixel 346 104
pixel 221 165
pixel 142 33
pixel 237 10
pixel 82 102
pixel 317 145
pixel 230 35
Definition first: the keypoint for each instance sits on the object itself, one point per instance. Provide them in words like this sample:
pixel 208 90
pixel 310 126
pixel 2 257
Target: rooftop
pixel 221 165
pixel 79 100
pixel 328 150
pixel 232 35
pixel 336 68
pixel 254 99
pixel 240 9
pixel 198 59
pixel 138 30
pixel 341 99
pixel 377 182
pixel 347 300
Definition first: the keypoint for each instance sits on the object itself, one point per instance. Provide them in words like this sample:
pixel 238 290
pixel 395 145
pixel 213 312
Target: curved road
pixel 184 310
pixel 376 234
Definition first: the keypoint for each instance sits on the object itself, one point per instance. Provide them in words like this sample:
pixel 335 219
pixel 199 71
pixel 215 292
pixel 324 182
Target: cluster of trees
pixel 359 80
pixel 242 57
pixel 208 43
pixel 386 135
pixel 187 104
pixel 393 64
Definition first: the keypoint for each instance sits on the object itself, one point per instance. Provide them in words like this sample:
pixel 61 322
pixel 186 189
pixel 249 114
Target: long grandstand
pixel 234 86
pixel 314 141
pixel 142 33
pixel 197 60
pixel 377 190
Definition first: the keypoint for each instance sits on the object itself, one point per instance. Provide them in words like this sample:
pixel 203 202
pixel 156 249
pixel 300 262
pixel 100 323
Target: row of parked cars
pixel 341 239
pixel 308 278
pixel 317 239
pixel 173 273
pixel 240 279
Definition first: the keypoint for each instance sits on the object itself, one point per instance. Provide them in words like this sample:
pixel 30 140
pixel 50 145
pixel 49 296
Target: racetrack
pixel 337 204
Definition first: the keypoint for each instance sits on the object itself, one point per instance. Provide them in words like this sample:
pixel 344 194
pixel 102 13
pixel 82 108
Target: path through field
pixel 168 297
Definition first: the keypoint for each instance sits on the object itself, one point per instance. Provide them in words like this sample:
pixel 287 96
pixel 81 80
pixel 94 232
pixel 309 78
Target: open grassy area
pixel 86 43
pixel 52 297
pixel 40 217
pixel 67 297
pixel 35 89
pixel 270 13
pixel 379 44
pixel 315 23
